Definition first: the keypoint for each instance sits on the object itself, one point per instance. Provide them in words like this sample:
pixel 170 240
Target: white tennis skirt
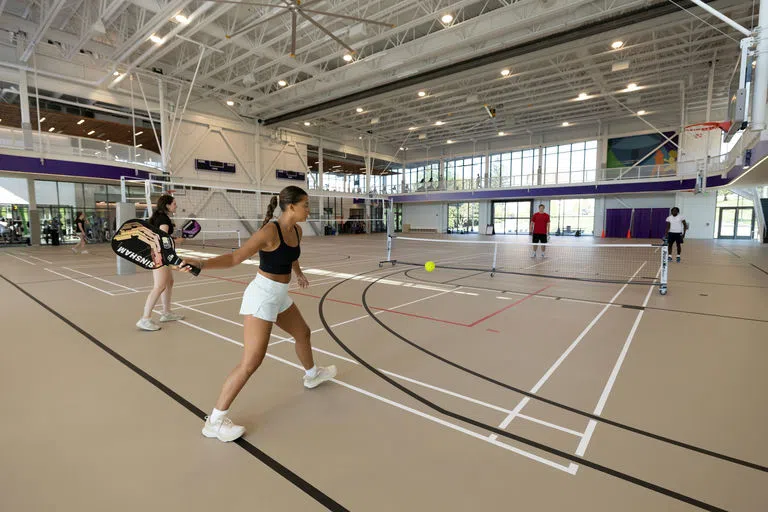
pixel 265 299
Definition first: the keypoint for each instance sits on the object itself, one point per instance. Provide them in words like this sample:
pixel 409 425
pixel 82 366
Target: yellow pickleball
pixel 429 266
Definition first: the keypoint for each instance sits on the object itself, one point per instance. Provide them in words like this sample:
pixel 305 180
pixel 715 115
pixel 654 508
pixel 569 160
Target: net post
pixel 664 264
pixel 495 251
pixel 123 191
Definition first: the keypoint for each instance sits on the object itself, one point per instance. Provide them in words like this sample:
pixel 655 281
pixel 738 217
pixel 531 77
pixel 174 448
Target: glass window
pixel 512 217
pixel 46 192
pixel 572 216
pixel 464 218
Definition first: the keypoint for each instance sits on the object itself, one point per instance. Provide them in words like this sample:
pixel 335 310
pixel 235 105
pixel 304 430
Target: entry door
pixel 736 223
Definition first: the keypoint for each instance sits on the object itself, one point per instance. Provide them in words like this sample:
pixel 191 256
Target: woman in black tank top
pixel 266 302
pixel 162 277
pixel 80 232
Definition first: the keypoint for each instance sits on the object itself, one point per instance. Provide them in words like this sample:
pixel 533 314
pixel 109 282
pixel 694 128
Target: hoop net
pixel 699 129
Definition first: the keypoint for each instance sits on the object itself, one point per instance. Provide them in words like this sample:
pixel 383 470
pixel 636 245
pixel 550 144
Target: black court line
pixel 760 269
pixel 589 301
pixel 271 463
pixel 534 396
pixel 535 444
pixel 729 251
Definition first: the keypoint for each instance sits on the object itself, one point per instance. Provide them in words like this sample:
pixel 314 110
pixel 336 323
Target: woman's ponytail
pixel 270 210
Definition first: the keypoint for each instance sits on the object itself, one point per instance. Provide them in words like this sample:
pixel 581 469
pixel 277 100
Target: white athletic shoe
pixel 533 255
pixel 543 255
pixel 85 251
pixel 223 429
pixel 74 250
pixel 324 373
pixel 171 317
pixel 146 324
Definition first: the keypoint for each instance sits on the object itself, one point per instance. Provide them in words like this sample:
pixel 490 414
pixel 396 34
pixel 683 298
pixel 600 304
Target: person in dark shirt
pixel 163 277
pixel 80 232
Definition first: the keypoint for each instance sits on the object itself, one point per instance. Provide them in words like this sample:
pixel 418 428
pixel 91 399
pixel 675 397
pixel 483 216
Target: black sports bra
pixel 280 260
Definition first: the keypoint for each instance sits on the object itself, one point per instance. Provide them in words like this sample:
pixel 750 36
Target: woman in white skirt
pixel 266 302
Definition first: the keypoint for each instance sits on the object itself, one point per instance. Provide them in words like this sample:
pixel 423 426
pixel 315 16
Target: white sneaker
pixel 85 251
pixel 324 373
pixel 74 250
pixel 543 255
pixel 223 429
pixel 146 324
pixel 533 255
pixel 171 317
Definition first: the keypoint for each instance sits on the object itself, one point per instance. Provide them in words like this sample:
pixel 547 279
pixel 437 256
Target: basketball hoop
pixel 699 129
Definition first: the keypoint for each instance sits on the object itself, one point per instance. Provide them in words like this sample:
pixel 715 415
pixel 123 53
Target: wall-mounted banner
pixel 282 174
pixel 647 149
pixel 213 165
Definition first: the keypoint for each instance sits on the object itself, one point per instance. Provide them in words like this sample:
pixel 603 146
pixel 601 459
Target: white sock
pixel 216 415
pixel 312 372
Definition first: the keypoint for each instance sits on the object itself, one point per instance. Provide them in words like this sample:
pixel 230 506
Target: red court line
pixel 507 307
pixel 403 313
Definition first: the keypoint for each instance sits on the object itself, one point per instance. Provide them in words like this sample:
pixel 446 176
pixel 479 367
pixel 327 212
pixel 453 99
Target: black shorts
pixel 674 237
pixel 539 239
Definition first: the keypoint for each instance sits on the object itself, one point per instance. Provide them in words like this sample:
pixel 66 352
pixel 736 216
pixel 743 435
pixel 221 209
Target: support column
pixel 26 125
pixel 760 94
pixel 320 168
pixel 257 156
pixel 34 214
pixel 164 154
pixel 487 167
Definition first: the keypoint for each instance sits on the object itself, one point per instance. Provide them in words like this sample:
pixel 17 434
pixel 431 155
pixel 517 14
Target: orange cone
pixel 629 233
pixel 603 235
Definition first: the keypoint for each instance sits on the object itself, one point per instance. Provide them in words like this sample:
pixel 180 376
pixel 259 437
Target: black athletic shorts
pixel 674 237
pixel 539 239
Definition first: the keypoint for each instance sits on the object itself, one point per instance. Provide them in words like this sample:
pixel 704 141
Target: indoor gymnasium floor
pixel 437 404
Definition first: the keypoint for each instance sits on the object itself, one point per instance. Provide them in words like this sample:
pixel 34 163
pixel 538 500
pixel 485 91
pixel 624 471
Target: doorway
pixel 736 223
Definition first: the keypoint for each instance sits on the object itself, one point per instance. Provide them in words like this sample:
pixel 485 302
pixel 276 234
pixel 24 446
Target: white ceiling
pixel 667 57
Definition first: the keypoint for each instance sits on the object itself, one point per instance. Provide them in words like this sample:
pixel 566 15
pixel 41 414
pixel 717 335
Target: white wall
pixel 426 216
pixel 699 211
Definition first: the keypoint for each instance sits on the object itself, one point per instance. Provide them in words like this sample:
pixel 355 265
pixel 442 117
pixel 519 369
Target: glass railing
pixel 63 146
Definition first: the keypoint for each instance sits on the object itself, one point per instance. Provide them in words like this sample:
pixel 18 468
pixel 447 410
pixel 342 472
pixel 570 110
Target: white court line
pixel 36 258
pixel 582 448
pixel 21 259
pixel 81 282
pixel 408 379
pixel 100 279
pixel 570 469
pixel 238 295
pixel 563 356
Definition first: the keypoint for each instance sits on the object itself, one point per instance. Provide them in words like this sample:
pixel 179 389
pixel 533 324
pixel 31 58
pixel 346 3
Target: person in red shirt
pixel 540 229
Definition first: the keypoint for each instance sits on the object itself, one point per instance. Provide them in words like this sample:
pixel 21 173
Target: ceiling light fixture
pixel 505 72
pixel 439 123
pixel 307 123
pixel 501 134
pixel 359 110
pixel 402 149
pixel 566 123
pixel 412 128
pixel 230 103
pixel 42 119
pixel 115 73
pixel 51 129
pixel 136 134
pixel 91 132
pixel 348 57
pixel 641 112
pixel 449 141
pixel 422 94
pixel 446 18
pixel 181 19
pixel 632 87
pixel 81 121
pixel 583 96
pixel 282 83
pixel 617 44
pixel 139 145
pixel 156 39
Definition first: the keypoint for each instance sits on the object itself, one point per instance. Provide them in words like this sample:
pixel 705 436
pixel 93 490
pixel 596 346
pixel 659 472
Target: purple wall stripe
pixel 68 168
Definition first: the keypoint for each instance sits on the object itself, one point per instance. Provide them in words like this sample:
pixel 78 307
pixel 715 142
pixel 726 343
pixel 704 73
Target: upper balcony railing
pixel 57 146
